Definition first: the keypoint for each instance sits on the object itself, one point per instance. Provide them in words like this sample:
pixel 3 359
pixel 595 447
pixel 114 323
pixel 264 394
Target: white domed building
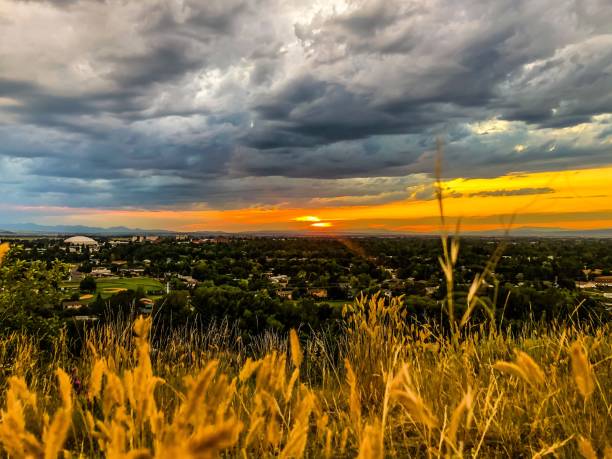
pixel 79 242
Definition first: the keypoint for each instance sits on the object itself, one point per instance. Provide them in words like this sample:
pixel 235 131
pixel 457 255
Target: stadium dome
pixel 80 240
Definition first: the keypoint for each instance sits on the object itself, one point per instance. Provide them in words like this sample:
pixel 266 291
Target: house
pixel 286 294
pixel 582 284
pixel 317 292
pixel 142 239
pixel 101 272
pixel 603 281
pixel 281 280
pixel 133 272
pixel 85 318
pixel 190 281
pixel 72 305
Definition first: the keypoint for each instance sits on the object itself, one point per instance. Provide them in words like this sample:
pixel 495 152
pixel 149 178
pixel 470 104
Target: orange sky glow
pixel 575 199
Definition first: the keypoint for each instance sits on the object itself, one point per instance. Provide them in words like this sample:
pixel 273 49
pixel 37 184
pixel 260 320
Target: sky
pixel 306 115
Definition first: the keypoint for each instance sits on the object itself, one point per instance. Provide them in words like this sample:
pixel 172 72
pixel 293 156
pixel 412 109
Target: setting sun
pixel 308 218
pixel 322 225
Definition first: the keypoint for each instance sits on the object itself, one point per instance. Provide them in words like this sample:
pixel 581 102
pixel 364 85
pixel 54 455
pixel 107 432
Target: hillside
pixel 381 389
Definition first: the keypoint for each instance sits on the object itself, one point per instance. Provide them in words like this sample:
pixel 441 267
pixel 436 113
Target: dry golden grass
pixel 385 389
pixel 5 247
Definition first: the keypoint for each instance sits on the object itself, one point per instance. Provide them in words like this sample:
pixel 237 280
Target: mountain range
pixel 36 229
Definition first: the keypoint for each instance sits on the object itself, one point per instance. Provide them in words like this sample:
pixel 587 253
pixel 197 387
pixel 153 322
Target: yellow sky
pixel 577 199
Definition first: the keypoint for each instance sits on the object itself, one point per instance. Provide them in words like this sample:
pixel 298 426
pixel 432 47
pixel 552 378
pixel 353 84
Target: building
pixel 603 281
pixel 317 292
pixel 286 294
pixel 188 280
pixel 72 305
pixel 132 272
pixel 101 272
pixel 582 284
pixel 85 318
pixel 77 243
pixel 281 280
pixel 145 239
pixel 82 241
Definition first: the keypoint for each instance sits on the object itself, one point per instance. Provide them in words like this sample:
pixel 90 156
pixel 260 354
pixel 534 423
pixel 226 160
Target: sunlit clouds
pixel 578 199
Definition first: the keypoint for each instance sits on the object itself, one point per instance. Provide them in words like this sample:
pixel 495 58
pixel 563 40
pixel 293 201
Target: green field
pixel 111 286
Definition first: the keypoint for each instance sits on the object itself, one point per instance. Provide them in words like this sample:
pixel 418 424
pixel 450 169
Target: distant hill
pixel 36 229
pixel 33 228
pixel 546 232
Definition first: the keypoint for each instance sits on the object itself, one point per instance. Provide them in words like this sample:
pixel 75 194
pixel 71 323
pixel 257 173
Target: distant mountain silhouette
pixel 529 231
pixel 34 228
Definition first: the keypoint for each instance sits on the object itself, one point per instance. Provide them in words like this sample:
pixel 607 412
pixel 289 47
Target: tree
pixel 88 284
pixel 30 296
pixel 85 267
pixel 201 271
pixel 173 309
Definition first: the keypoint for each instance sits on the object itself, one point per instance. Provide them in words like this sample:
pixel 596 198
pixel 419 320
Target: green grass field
pixel 335 303
pixel 111 286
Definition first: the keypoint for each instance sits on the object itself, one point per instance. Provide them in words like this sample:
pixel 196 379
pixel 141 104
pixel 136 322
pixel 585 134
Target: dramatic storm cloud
pixel 226 104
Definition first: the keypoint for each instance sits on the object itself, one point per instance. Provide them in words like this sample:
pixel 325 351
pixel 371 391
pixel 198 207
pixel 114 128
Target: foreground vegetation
pixel 380 389
pixel 383 381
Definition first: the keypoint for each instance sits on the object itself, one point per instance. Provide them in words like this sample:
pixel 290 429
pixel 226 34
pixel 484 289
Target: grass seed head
pixel 582 371
pixel 534 373
pixel 586 449
pixel 4 250
pixel 296 349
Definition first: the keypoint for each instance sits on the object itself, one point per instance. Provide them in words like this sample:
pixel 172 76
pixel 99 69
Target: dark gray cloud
pixel 517 192
pixel 241 102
